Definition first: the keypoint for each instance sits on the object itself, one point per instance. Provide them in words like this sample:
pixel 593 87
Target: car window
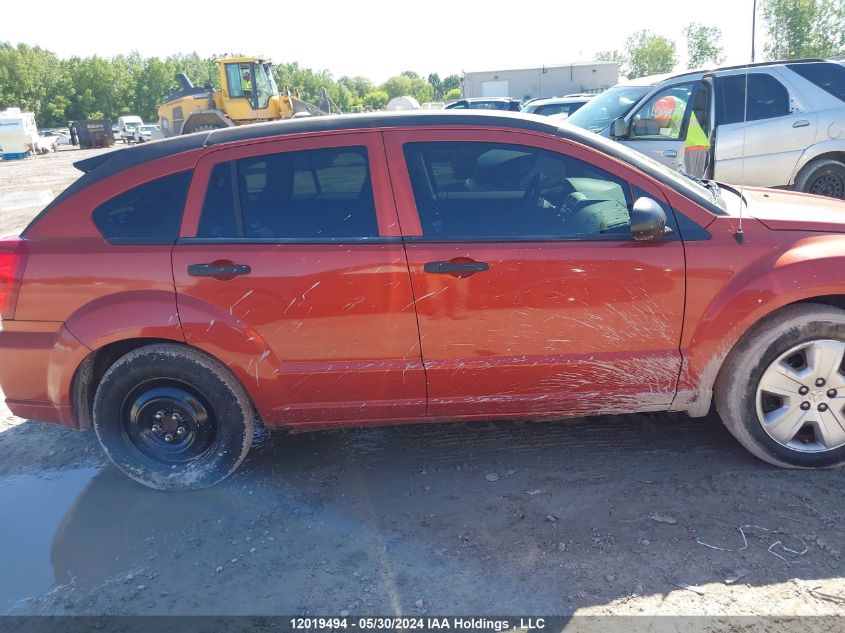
pixel 473 190
pixel 829 77
pixel 147 214
pixel 611 104
pixel 312 194
pixel 662 116
pixel 767 98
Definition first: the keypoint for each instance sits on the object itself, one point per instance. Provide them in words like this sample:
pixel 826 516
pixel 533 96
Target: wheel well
pixel 707 386
pixel 837 301
pixel 96 364
pixel 837 156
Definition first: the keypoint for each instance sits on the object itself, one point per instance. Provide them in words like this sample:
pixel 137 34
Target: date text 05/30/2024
pixel 414 623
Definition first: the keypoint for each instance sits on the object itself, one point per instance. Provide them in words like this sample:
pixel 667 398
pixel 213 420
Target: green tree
pixel 376 99
pixel 610 56
pixel 804 28
pixel 403 85
pixel 703 45
pixel 450 83
pixel 435 83
pixel 453 95
pixel 648 54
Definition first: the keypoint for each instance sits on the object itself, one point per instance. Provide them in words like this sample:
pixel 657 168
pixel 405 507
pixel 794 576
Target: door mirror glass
pixel 648 221
pixel 618 129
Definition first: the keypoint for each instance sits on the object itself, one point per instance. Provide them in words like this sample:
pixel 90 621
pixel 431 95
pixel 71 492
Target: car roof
pixel 653 80
pixel 566 99
pixel 488 99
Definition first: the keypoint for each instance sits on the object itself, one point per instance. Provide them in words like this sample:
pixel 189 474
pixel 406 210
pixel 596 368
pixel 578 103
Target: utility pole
pixel 753 29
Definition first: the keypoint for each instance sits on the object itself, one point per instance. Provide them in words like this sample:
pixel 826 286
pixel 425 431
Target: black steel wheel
pixel 823 178
pixel 173 418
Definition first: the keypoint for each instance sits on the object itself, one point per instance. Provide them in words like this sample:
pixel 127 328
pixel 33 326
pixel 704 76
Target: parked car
pixel 416 266
pixel 559 107
pixel 143 133
pixel 486 103
pixel 126 125
pixel 791 138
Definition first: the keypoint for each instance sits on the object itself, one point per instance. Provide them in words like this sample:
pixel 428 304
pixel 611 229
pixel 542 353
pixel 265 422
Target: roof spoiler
pixel 88 165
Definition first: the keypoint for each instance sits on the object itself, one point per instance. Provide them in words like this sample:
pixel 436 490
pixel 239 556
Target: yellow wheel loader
pixel 248 94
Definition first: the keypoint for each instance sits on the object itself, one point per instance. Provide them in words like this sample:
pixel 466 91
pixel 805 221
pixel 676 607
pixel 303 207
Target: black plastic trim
pixel 545 238
pixel 290 240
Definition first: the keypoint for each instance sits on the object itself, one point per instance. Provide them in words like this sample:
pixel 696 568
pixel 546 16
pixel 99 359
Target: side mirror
pixel 648 221
pixel 618 129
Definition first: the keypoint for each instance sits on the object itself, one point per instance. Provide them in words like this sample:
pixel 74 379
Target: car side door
pixel 658 127
pixel 762 147
pixel 290 269
pixel 531 295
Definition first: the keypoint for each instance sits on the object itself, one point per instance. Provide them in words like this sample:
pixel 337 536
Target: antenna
pixel 740 236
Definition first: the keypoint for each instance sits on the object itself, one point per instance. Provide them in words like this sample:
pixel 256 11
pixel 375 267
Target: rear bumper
pixel 38 360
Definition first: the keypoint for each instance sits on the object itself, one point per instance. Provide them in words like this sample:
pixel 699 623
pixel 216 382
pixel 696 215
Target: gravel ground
pixel 638 514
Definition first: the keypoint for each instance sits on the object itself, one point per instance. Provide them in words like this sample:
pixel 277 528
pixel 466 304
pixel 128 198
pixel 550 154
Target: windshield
pixel 602 110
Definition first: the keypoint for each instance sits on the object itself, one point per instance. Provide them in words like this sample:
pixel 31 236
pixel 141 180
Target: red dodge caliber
pixel 372 269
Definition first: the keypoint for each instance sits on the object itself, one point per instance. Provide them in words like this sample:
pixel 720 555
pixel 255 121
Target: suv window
pixel 474 190
pixel 312 194
pixel 662 116
pixel 827 76
pixel 147 214
pixel 767 98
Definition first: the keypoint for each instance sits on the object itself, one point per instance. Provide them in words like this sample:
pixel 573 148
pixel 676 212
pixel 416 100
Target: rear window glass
pixel 312 194
pixel 829 77
pixel 147 214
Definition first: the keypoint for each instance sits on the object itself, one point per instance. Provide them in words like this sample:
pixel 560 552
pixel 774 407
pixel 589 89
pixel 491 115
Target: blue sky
pixel 376 39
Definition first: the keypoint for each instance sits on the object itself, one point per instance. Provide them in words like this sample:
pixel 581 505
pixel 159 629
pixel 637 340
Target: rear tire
pixel 822 177
pixel 172 418
pixel 781 391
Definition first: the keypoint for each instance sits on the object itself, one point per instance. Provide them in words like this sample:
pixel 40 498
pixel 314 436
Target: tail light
pixel 11 273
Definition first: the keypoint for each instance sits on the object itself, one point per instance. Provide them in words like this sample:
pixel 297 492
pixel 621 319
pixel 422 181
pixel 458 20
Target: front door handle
pixel 458 267
pixel 801 123
pixel 670 153
pixel 226 270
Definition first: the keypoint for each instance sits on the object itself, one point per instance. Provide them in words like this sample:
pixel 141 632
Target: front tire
pixel 781 391
pixel 172 418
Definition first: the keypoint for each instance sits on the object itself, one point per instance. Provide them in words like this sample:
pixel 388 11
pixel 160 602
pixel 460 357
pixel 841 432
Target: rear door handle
pixel 218 270
pixel 801 123
pixel 456 268
pixel 670 153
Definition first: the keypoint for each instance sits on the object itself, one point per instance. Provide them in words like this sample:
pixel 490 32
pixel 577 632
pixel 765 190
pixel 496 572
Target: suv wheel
pixel 823 178
pixel 172 418
pixel 781 392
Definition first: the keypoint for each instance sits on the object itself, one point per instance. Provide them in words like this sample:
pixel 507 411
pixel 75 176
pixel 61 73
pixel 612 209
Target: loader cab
pixel 248 88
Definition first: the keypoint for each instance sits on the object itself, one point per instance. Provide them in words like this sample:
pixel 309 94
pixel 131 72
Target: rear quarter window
pixel 147 214
pixel 827 76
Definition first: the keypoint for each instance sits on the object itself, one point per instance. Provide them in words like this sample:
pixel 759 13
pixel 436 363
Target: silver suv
pixel 793 136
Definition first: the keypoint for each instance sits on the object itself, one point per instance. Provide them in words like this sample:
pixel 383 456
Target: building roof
pixel 540 67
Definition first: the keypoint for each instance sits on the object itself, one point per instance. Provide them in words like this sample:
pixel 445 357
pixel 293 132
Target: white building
pixel 543 81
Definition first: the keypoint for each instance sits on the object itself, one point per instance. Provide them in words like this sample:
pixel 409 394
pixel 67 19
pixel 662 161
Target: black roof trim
pixel 342 122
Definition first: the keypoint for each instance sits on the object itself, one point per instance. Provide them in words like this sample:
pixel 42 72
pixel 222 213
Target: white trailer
pixel 18 134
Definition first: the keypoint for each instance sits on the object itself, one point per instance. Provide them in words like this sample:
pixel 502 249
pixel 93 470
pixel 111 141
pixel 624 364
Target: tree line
pixel 794 29
pixel 59 90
